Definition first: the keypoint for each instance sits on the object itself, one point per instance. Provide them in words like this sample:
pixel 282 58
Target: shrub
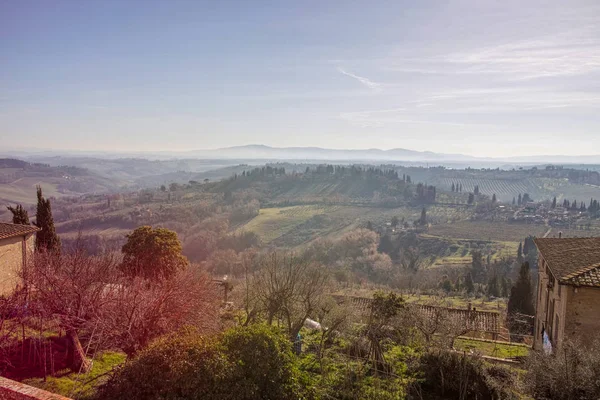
pixel 254 362
pixel 452 375
pixel 177 366
pixel 573 372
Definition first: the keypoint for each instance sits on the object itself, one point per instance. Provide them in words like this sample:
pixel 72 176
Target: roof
pixel 587 277
pixel 573 261
pixel 11 230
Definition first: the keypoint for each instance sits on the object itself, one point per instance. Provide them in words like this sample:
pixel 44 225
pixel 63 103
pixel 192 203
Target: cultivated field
pixel 272 223
pixel 487 230
pixel 539 188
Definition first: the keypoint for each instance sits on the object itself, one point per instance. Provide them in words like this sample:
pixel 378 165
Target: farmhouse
pixel 16 243
pixel 568 296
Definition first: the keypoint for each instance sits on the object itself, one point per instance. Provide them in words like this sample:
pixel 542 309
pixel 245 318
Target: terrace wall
pixel 12 390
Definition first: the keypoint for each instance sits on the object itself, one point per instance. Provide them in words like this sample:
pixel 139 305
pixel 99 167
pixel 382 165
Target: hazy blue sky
pixel 478 77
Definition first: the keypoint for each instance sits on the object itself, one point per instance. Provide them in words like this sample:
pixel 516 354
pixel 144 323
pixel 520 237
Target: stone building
pixel 16 244
pixel 568 295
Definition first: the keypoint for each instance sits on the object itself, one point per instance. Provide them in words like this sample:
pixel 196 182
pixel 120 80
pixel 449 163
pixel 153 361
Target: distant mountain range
pixel 317 153
pixel 262 152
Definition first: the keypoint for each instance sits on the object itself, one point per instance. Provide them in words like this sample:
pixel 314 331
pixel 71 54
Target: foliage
pixel 246 363
pixel 521 302
pixel 265 367
pixel 46 239
pixel 571 373
pixel 20 215
pixel 153 254
pixel 451 375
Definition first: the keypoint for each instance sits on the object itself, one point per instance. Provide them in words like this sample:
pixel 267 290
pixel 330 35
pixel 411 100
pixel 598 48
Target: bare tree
pixel 142 312
pixel 71 288
pixel 411 259
pixel 290 288
pixel 333 319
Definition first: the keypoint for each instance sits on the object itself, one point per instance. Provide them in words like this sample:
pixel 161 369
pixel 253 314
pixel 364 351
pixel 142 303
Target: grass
pixel 81 386
pixel 492 348
pixel 23 190
pixel 272 223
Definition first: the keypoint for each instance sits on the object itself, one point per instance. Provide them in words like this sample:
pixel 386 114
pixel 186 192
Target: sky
pixel 483 78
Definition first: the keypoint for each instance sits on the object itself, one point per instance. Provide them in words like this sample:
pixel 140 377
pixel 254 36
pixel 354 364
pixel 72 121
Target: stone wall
pixel 11 262
pixel 11 390
pixel 551 306
pixel 583 314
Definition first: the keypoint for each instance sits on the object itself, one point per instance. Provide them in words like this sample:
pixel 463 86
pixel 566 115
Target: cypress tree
pixel 423 219
pixel 493 288
pixel 469 285
pixel 521 300
pixel 471 199
pixel 46 239
pixel 20 215
pixel 494 199
pixel 554 202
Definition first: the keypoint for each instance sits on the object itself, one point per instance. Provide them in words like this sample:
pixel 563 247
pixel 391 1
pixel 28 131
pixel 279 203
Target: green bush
pixel 244 363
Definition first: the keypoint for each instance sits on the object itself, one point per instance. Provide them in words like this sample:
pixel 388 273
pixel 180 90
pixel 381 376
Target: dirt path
pixel 547 233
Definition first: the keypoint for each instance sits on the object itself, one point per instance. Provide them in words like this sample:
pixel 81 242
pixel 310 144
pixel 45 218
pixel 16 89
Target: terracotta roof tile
pixel 10 230
pixel 574 261
pixel 587 277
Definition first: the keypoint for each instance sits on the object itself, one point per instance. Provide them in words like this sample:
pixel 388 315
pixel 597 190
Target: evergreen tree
pixel 461 187
pixel 471 198
pixel 505 285
pixel 453 186
pixel 445 284
pixel 423 219
pixel 520 200
pixel 46 239
pixel 395 221
pixel 493 287
pixel 20 215
pixel 369 225
pixel 477 268
pixel 385 245
pixel 520 252
pixel 554 202
pixel 469 285
pixel 521 302
pixel 514 201
pixel 494 199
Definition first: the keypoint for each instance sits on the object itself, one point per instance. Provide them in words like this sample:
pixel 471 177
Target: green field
pixel 492 348
pixel 80 386
pixel 272 223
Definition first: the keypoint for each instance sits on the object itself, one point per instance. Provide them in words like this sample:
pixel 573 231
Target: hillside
pixel 18 180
